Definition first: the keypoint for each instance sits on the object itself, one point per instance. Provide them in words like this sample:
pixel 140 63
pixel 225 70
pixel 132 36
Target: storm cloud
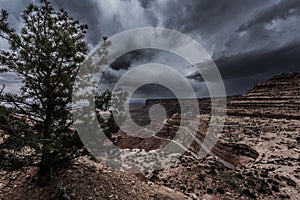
pixel 249 40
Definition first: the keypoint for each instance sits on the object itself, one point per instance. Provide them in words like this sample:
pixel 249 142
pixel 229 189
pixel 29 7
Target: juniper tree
pixel 46 54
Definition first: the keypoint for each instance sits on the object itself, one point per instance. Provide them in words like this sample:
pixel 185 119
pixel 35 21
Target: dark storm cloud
pixel 126 60
pixel 264 44
pixel 106 18
pixel 267 30
pixel 153 91
pixel 282 10
pixel 140 57
pixel 272 41
pixel 254 63
pixel 250 40
pixel 240 72
pixel 86 12
pixel 211 22
pixel 231 30
pixel 146 3
pixel 204 15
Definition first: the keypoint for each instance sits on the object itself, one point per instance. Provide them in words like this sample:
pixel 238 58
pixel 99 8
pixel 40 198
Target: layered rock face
pixel 278 97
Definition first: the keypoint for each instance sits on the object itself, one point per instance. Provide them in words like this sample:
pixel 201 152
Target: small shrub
pixel 209 191
pixel 182 187
pixel 201 176
pixel 275 188
pixel 221 190
pixel 154 178
pixel 64 192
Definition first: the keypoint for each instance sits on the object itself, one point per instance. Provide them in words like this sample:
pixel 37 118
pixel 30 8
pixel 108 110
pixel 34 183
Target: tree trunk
pixel 45 166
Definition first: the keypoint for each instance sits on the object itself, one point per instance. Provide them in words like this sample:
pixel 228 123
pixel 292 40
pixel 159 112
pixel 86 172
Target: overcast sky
pixel 249 40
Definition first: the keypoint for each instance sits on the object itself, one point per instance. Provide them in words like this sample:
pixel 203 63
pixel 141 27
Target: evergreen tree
pixel 46 55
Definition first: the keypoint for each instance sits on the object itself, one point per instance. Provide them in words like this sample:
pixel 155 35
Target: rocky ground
pixel 275 173
pixel 257 156
pixel 84 179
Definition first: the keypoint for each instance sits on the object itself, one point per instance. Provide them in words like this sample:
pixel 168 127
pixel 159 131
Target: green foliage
pixel 15 135
pixel 47 55
pixel 201 176
pixel 64 192
pixel 114 106
pixel 182 187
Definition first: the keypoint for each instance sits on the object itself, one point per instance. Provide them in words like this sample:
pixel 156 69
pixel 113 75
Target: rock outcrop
pixel 278 97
